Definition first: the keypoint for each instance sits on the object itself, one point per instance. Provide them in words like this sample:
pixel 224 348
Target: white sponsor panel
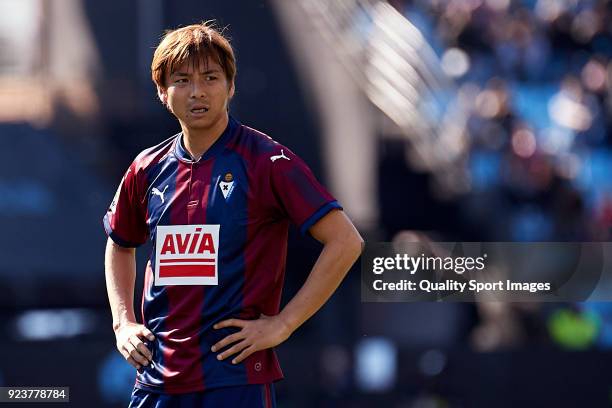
pixel 187 254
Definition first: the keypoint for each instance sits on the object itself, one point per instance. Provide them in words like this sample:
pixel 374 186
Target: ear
pixel 162 94
pixel 232 90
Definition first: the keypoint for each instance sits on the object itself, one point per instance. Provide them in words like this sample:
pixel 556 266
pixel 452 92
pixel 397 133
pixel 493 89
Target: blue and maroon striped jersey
pixel 219 230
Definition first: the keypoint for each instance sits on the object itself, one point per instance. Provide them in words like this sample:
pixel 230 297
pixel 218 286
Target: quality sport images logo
pixel 187 255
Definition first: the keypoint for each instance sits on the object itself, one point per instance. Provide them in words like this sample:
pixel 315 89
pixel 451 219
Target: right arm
pixel 120 272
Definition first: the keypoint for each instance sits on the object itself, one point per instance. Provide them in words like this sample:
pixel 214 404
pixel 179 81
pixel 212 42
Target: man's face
pixel 197 94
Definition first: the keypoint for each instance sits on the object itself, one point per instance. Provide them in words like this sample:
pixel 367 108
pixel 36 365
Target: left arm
pixel 342 245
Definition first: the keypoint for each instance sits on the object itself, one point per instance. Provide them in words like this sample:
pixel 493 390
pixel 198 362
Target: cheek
pixel 223 94
pixel 175 98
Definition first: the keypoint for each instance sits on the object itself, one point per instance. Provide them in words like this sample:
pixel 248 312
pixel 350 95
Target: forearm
pixel 331 267
pixel 120 273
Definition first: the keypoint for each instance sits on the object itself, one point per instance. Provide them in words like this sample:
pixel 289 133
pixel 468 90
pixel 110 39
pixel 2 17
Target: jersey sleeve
pixel 298 194
pixel 125 219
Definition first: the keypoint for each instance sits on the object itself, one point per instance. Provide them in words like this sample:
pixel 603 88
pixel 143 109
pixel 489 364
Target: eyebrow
pixel 210 71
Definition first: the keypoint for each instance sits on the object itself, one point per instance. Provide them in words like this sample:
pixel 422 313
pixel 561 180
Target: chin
pixel 203 123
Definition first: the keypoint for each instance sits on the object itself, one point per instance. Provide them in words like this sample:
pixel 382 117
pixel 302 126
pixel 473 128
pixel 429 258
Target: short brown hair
pixel 195 42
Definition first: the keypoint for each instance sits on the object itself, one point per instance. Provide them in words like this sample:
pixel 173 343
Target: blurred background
pixel 447 120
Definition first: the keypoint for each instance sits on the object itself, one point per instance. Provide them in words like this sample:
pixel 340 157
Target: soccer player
pixel 216 200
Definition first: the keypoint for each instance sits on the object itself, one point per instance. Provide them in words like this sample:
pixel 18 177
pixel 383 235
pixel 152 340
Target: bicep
pixel 113 248
pixel 119 265
pixel 335 225
pixel 118 258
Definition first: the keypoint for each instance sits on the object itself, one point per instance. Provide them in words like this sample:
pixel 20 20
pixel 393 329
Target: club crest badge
pixel 227 185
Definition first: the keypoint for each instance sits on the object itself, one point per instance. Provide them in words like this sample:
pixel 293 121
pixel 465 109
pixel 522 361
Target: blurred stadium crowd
pixel 531 160
pixel 536 79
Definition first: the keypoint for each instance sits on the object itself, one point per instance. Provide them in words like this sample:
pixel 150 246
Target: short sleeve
pixel 125 221
pixel 298 193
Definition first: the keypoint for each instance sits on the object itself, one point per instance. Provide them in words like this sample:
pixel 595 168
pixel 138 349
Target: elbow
pixel 340 233
pixel 353 243
pixel 353 247
pixel 360 244
pixel 356 241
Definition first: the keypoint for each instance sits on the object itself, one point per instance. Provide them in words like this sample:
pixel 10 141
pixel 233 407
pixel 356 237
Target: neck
pixel 197 141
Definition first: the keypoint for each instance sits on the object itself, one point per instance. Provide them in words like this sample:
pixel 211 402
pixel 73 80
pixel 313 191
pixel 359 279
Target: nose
pixel 198 89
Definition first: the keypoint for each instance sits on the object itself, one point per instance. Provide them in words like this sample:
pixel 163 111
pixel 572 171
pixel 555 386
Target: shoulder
pixel 151 156
pixel 256 146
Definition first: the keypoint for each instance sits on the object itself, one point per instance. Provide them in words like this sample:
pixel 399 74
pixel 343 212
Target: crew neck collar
pixel 216 148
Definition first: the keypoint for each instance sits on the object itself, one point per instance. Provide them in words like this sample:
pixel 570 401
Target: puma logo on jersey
pixel 279 156
pixel 186 254
pixel 156 192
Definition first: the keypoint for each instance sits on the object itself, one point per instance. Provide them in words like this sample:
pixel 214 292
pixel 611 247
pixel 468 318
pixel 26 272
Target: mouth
pixel 199 110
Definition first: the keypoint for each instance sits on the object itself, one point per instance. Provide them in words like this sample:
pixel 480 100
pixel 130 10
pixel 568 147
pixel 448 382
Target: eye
pixel 181 81
pixel 210 77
